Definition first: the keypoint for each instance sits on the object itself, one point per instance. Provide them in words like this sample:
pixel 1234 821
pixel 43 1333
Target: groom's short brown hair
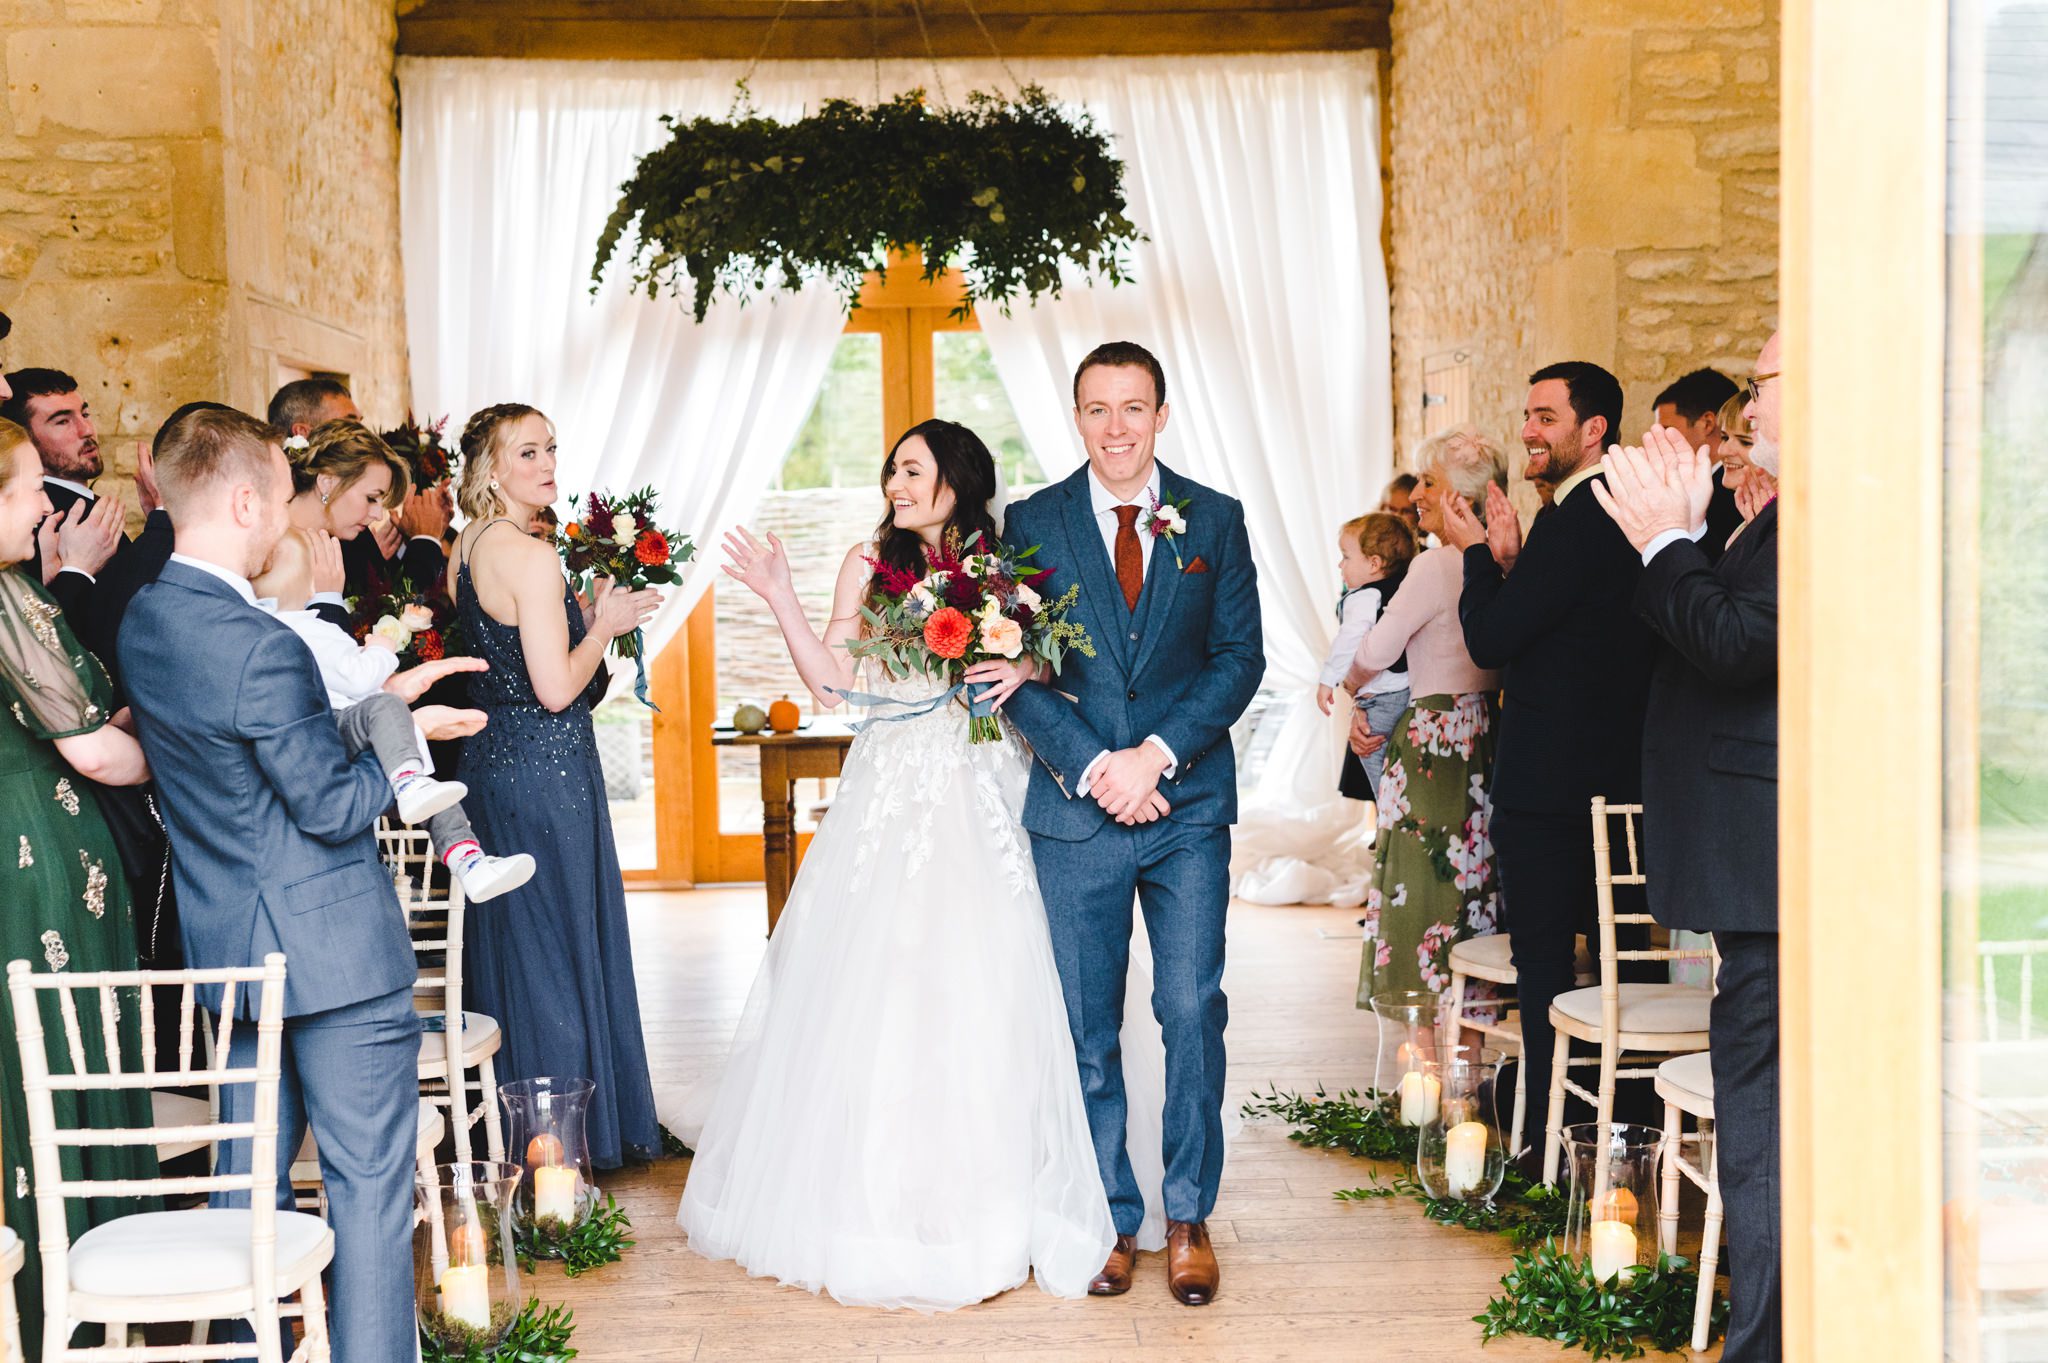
pixel 1117 354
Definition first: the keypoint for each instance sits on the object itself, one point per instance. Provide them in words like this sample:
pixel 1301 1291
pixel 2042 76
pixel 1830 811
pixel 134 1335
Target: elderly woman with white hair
pixel 1434 880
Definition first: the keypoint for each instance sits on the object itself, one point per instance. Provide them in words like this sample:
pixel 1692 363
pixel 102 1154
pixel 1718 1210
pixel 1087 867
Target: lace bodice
pixel 900 771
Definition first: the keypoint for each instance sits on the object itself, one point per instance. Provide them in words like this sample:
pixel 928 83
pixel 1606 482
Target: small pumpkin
pixel 783 716
pixel 748 717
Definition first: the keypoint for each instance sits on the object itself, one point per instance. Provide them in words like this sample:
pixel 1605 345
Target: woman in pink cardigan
pixel 1434 881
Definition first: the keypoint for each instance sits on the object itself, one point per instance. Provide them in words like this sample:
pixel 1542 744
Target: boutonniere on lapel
pixel 1168 521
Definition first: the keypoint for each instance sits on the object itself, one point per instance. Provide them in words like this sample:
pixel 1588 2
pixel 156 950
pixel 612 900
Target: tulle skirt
pixel 900 1123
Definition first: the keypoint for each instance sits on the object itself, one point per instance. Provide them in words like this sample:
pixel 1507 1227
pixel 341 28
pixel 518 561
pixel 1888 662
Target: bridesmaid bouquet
pixel 616 537
pixel 974 603
pixel 418 628
pixel 421 447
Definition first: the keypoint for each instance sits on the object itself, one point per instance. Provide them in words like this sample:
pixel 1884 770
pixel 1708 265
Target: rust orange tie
pixel 1130 559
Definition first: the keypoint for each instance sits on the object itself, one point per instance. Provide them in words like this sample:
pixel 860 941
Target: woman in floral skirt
pixel 1434 881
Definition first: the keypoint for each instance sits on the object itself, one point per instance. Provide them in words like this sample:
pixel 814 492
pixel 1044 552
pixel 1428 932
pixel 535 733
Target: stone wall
pixel 196 193
pixel 1581 179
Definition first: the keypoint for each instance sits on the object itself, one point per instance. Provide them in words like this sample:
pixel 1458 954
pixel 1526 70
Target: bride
pixel 900 1123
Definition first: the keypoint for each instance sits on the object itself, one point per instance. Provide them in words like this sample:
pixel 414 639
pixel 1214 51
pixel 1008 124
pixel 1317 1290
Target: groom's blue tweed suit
pixel 270 826
pixel 1183 666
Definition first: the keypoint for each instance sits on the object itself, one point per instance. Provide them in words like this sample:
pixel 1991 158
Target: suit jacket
pixel 1183 665
pixel 1710 743
pixel 85 600
pixel 1575 660
pixel 416 569
pixel 1723 517
pixel 269 819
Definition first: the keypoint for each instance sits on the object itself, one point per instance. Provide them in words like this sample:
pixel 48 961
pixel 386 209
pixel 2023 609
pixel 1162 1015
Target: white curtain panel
pixel 1262 289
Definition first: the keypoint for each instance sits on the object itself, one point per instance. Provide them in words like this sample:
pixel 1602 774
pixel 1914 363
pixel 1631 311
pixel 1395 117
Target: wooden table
pixel 813 752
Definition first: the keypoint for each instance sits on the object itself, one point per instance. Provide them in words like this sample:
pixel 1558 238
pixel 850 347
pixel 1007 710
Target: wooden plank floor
pixel 1304 1276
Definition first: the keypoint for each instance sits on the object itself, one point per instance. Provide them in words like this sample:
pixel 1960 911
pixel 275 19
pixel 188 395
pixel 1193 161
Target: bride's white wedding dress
pixel 900 1123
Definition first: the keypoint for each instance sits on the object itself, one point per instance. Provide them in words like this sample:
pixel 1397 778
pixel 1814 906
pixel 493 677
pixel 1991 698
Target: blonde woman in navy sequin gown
pixel 552 961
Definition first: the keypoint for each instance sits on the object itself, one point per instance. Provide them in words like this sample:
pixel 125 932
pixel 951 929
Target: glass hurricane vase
pixel 1611 1220
pixel 465 1262
pixel 1462 1152
pixel 1406 1019
pixel 545 1120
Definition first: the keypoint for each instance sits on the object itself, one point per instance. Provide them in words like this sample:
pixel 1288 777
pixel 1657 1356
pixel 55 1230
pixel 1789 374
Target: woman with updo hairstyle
pixel 68 903
pixel 1434 881
pixel 342 478
pixel 552 960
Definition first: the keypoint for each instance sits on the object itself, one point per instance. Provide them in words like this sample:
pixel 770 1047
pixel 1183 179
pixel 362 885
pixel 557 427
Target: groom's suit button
pixel 1134 636
pixel 1132 696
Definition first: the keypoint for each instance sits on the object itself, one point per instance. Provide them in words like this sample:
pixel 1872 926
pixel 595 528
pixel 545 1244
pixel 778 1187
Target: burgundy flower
pixel 962 591
pixel 598 519
pixel 893 580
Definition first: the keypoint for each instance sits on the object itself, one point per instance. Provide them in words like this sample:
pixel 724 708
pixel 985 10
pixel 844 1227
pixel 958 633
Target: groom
pixel 1135 785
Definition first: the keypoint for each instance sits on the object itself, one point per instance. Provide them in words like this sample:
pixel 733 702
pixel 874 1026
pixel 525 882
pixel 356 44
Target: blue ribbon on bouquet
pixel 640 662
pixel 977 708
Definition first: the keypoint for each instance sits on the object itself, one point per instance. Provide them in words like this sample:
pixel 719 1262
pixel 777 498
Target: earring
pixel 323 498
pixel 494 485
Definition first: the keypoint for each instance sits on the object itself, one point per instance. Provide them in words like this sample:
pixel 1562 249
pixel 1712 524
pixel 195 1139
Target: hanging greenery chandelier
pixel 1011 190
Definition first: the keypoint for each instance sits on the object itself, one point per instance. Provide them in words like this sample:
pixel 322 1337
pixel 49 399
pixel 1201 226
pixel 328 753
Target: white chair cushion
pixel 1663 1009
pixel 12 1254
pixel 1491 958
pixel 177 1109
pixel 164 1254
pixel 1688 1076
pixel 479 1039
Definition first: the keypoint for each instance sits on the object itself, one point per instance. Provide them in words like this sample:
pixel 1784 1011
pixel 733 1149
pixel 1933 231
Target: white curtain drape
pixel 508 170
pixel 1262 289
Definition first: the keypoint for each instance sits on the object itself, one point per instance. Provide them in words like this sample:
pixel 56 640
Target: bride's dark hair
pixel 966 468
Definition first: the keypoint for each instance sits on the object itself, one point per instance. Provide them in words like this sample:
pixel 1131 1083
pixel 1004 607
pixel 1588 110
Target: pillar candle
pixel 1465 1158
pixel 554 1194
pixel 1612 1247
pixel 466 1295
pixel 1419 1094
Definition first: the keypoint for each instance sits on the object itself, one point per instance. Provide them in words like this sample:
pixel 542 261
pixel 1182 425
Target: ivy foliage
pixel 598 1239
pixel 1012 190
pixel 536 1336
pixel 1552 1295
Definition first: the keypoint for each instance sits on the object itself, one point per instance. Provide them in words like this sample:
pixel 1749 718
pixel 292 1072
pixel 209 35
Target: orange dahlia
pixel 651 548
pixel 946 632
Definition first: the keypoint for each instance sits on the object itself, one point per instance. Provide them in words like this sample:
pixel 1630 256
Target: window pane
pixel 625 750
pixel 1996 1017
pixel 826 501
pixel 965 389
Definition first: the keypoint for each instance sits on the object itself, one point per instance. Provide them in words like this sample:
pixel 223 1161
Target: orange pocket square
pixel 1195 565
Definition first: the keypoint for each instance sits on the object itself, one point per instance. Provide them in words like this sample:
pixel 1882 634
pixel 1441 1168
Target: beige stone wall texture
pixel 195 192
pixel 1581 179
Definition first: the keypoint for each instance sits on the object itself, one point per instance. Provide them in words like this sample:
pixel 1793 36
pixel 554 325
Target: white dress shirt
pixel 1665 538
pixel 1105 504
pixel 350 671
pixel 235 580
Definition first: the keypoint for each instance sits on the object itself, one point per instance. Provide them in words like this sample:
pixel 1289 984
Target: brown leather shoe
pixel 1190 1263
pixel 1115 1278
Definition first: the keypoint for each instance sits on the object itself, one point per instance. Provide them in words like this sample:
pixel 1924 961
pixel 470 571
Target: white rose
pixel 1002 636
pixel 1170 521
pixel 392 631
pixel 416 617
pixel 624 528
pixel 1027 598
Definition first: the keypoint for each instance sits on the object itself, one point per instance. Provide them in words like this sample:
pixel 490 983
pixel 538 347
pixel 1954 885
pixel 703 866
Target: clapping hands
pixel 1501 532
pixel 1662 484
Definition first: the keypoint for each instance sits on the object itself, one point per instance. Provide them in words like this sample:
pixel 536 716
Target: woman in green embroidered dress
pixel 63 900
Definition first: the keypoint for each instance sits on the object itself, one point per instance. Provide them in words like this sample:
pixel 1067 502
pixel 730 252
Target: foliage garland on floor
pixel 536 1336
pixel 1549 1293
pixel 1552 1295
pixel 598 1239
pixel 1010 189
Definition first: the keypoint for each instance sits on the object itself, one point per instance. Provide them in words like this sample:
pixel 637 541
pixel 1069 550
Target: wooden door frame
pixel 906 311
pixel 1864 191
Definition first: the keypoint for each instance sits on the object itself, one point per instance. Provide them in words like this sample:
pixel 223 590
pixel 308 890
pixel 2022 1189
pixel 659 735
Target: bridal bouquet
pixel 418 628
pixel 616 537
pixel 975 602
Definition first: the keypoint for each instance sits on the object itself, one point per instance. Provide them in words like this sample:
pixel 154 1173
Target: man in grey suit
pixel 272 827
pixel 1710 802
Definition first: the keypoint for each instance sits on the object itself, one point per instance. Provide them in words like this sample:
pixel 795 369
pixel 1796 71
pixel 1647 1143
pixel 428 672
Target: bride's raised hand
pixel 616 611
pixel 1004 677
pixel 763 568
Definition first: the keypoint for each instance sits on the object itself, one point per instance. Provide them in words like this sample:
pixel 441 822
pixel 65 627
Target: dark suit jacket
pixel 270 818
pixel 416 569
pixel 1710 744
pixel 1574 657
pixel 1723 516
pixel 85 599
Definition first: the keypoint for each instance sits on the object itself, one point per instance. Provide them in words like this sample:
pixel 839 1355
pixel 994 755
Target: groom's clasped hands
pixel 1126 783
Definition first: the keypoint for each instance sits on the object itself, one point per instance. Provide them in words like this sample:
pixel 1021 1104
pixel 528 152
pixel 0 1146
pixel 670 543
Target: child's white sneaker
pixel 485 877
pixel 422 797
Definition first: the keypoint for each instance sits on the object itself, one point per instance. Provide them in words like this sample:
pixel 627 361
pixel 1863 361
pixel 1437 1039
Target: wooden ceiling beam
pixel 597 30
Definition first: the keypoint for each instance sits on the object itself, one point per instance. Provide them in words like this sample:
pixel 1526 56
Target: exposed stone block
pixel 120 82
pixel 1661 265
pixel 1759 139
pixel 1752 70
pixel 1687 75
pixel 1630 190
pixel 87 261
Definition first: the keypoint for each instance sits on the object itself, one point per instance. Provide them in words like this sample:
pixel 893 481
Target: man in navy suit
pixel 272 824
pixel 1135 786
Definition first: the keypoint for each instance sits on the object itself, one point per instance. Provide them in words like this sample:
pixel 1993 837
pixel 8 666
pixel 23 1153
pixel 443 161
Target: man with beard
pixel 1556 616
pixel 82 536
pixel 1710 806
